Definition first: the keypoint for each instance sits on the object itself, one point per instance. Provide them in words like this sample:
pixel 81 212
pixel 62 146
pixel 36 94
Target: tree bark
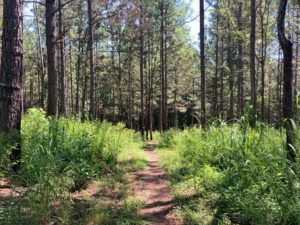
pixel 263 26
pixel 78 72
pixel 202 64
pixel 31 94
pixel 296 67
pixel 175 118
pixel 230 76
pixel 222 82
pixel 240 66
pixel 51 59
pixel 142 117
pixel 162 70
pixel 79 58
pixel 287 48
pixel 150 86
pixel 129 89
pixel 11 75
pixel 91 51
pixel 41 57
pixel 279 89
pixel 216 111
pixel 252 64
pixel 71 79
pixel 165 114
pixel 63 78
pixel 84 91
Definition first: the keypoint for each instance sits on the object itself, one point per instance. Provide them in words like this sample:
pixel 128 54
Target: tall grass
pixel 243 171
pixel 59 157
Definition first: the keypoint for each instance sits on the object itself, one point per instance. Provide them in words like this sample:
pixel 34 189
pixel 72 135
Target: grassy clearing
pixel 231 175
pixel 71 173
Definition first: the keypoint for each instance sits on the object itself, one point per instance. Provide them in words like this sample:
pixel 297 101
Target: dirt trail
pixel 151 186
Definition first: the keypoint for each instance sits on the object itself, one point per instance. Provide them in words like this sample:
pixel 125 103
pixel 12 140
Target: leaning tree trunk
pixel 51 59
pixel 287 48
pixel 11 74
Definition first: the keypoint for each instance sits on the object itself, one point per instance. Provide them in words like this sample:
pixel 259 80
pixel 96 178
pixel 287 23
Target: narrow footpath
pixel 151 186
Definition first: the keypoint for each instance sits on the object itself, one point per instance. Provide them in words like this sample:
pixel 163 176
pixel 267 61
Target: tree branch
pixel 35 2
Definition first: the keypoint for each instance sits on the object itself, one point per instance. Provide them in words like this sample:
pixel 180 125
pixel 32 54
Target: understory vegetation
pixel 231 174
pixel 72 172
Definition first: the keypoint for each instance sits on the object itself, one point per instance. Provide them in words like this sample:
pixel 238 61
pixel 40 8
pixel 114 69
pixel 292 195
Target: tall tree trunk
pixel 71 79
pixel 31 94
pixel 78 72
pixel 150 77
pixel 84 91
pixel 91 51
pixel 162 70
pixel 175 122
pixel 142 117
pixel 129 88
pixel 222 82
pixel 152 59
pixel 297 61
pixel 165 125
pixel 113 79
pixel 79 59
pixel 120 100
pixel 278 88
pixel 240 65
pixel 252 64
pixel 216 111
pixel 11 75
pixel 264 30
pixel 202 64
pixel 51 59
pixel 63 78
pixel 231 76
pixel 263 90
pixel 287 48
pixel 269 100
pixel 41 57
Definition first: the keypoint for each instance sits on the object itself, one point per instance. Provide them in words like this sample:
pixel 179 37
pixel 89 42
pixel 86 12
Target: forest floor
pixel 152 187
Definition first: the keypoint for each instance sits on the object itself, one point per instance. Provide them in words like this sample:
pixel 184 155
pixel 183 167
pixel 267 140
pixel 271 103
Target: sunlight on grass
pixel 69 167
pixel 231 175
pixel 132 157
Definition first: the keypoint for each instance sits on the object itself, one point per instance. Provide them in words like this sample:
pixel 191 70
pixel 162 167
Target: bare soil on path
pixel 151 186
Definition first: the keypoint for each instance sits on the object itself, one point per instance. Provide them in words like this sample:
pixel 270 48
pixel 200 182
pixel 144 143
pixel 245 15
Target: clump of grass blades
pixel 247 169
pixel 59 157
